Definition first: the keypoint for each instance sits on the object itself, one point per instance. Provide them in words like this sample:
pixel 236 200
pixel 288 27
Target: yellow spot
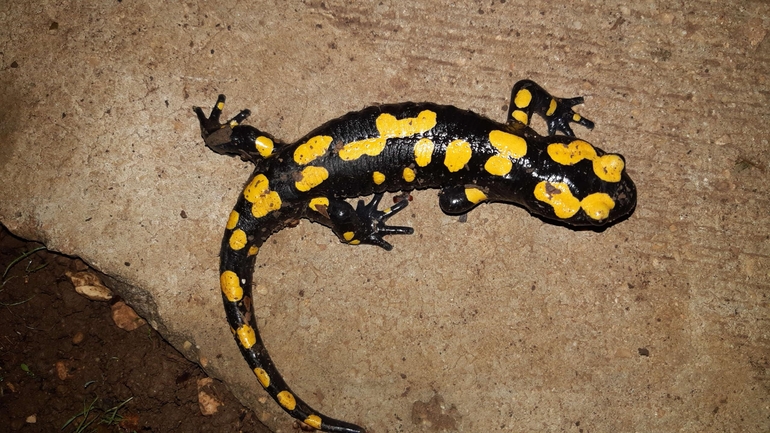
pixel 231 286
pixel 355 242
pixel 318 201
pixel 220 106
pixel 475 195
pixel 253 250
pixel 237 240
pixel 523 98
pixel 597 206
pixel 246 336
pixel 423 152
pixel 313 421
pixel 348 236
pixel 264 146
pixel 233 220
pixel 558 195
pixel 458 153
pixel 551 107
pixel 576 117
pixel 312 149
pixel 311 177
pixel 262 377
pixel 378 178
pixel 609 168
pixel 263 200
pixel 509 145
pixel 286 400
pixel 572 153
pixel 388 127
pixel 357 149
pixel 520 116
pixel 408 174
pixel 498 165
pixel 233 124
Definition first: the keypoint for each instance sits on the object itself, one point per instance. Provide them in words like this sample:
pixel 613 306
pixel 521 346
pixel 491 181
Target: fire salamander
pixel 402 147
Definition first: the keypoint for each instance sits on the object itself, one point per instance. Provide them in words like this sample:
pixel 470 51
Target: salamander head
pixel 586 193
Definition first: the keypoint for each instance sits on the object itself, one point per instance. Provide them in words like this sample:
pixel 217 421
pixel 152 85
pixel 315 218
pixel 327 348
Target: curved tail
pixel 240 246
pixel 251 222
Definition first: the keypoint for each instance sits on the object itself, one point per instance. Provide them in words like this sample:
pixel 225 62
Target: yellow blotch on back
pixel 509 145
pixel 408 174
pixel 262 377
pixel 287 400
pixel 357 149
pixel 232 221
pixel 498 165
pixel 312 149
pixel 458 153
pixel 313 421
pixel 423 152
pixel 558 195
pixel 264 146
pixel 231 286
pixel 311 177
pixel 246 336
pixel 388 127
pixel 608 168
pixel 598 205
pixel 262 198
pixel 572 153
pixel 237 240
pixel 378 178
pixel 253 250
pixel 318 201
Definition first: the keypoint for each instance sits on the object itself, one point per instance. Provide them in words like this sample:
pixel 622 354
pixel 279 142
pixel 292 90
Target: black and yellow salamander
pixel 402 147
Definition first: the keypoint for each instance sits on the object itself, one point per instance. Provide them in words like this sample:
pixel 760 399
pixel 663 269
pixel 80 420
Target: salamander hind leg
pixel 365 224
pixel 528 98
pixel 232 138
pixel 459 199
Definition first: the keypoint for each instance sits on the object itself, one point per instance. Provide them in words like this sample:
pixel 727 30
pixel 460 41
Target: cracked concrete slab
pixel 502 323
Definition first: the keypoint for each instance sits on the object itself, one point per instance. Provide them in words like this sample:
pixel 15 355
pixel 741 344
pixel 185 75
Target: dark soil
pixel 47 331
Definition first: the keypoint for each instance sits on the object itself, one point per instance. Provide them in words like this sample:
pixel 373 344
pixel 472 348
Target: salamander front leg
pixel 365 224
pixel 527 98
pixel 232 138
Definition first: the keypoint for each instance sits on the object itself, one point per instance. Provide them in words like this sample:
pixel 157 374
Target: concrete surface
pixel 502 323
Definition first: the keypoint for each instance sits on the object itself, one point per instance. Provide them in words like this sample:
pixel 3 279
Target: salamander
pixel 470 158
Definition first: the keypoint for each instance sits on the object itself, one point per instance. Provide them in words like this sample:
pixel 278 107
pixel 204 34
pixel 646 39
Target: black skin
pixel 366 224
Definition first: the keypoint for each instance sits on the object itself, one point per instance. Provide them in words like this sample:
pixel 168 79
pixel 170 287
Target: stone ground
pixel 502 323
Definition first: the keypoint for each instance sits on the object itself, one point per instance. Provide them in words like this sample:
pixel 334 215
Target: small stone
pixel 61 370
pixel 125 317
pixel 89 285
pixel 78 338
pixel 208 404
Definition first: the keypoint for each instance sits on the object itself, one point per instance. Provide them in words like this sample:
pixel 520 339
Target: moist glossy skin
pixel 471 159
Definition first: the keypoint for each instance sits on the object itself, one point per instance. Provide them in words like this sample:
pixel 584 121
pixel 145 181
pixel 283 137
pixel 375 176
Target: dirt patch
pixel 61 355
